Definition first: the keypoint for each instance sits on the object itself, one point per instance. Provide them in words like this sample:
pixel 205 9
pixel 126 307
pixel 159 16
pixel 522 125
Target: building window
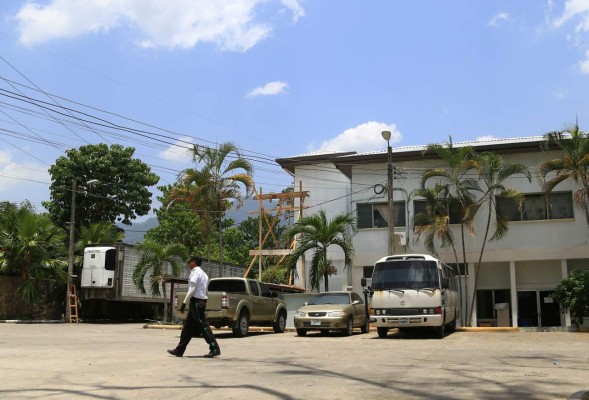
pixel 367 271
pixel 486 300
pixel 454 210
pixel 375 215
pixel 459 269
pixel 538 207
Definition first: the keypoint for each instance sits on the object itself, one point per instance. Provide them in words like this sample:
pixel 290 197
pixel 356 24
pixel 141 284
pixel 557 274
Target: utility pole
pixel 391 223
pixel 70 264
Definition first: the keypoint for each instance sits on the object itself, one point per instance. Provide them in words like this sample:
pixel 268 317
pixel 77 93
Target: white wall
pixel 329 190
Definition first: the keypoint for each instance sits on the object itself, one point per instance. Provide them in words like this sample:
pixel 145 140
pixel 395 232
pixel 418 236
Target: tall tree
pixel 121 193
pixel 493 172
pixel 317 235
pixel 220 175
pixel 153 261
pixel 177 221
pixel 461 186
pixel 573 165
pixel 32 247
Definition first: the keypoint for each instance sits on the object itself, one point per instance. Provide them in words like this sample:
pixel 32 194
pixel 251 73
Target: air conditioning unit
pixel 400 238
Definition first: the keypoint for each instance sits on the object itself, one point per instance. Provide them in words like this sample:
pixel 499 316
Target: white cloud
pixel 179 151
pixel 230 24
pixel 269 89
pixel 576 9
pixel 295 7
pixel 559 94
pixel 16 178
pixel 485 138
pixel 364 137
pixel 497 19
pixel 572 9
pixel 584 64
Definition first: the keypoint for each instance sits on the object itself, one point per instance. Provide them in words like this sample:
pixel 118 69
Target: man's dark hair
pixel 196 259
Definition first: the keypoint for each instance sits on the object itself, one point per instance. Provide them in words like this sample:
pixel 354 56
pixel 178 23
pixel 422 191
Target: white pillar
pixel 513 289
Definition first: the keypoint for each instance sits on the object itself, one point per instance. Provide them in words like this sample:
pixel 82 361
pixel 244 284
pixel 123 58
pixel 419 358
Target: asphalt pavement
pixel 127 361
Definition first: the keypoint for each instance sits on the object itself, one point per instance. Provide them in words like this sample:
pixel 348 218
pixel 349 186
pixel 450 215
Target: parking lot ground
pixel 125 361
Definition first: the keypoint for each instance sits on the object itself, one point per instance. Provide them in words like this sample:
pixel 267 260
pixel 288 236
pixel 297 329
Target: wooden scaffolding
pixel 285 204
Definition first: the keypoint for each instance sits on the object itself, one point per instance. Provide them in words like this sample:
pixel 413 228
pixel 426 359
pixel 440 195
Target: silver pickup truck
pixel 239 303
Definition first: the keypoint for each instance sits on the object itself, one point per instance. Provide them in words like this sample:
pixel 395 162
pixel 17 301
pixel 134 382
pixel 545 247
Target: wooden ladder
pixel 73 304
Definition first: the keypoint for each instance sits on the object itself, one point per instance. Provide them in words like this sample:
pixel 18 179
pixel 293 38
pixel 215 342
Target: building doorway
pixel 536 308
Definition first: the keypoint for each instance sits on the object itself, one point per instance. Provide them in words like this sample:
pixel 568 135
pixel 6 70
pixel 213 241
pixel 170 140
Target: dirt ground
pixel 126 361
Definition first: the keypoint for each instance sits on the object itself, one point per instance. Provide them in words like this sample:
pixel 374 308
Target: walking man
pixel 195 321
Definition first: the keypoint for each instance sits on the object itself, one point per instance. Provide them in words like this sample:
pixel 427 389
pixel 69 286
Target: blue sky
pixel 281 77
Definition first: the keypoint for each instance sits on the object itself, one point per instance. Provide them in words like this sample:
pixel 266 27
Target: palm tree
pixel 32 247
pixel 572 165
pixel 460 188
pixel 220 175
pixel 153 260
pixel 434 222
pixel 317 234
pixel 493 172
pixel 98 233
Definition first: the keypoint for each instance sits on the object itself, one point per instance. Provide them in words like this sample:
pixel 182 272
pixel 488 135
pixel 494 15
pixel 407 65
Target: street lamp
pixel 70 265
pixel 386 135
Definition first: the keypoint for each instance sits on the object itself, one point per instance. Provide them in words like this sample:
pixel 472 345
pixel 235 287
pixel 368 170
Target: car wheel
pixel 280 325
pixel 302 332
pixel 366 326
pixel 350 328
pixel 382 332
pixel 242 325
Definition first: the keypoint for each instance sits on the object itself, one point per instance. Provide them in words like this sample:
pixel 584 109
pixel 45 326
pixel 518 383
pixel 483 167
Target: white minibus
pixel 413 291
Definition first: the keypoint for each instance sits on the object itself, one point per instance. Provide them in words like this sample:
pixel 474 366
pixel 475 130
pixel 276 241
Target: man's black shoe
pixel 174 352
pixel 213 353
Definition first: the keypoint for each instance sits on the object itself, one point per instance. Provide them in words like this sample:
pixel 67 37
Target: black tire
pixel 301 332
pixel 382 332
pixel 440 331
pixel 280 325
pixel 242 325
pixel 451 326
pixel 349 328
pixel 365 328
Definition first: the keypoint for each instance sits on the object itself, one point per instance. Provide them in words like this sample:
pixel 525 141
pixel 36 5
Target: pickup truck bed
pixel 239 303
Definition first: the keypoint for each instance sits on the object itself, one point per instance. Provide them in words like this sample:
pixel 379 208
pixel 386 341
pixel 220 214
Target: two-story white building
pixel 546 239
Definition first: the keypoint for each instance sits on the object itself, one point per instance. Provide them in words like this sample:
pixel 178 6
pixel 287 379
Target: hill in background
pixel 135 233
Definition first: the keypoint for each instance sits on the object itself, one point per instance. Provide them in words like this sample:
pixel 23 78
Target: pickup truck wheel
pixel 302 332
pixel 280 325
pixel 382 332
pixel 242 325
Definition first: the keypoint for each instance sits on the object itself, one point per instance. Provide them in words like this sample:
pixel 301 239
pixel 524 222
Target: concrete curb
pixel 372 329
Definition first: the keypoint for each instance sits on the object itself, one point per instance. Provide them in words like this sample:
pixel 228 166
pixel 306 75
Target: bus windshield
pixel 405 274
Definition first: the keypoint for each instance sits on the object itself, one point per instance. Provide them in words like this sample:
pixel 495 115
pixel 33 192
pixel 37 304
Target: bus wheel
pixel 440 331
pixel 382 332
pixel 452 326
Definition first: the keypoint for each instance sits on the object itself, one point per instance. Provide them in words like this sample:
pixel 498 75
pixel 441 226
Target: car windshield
pixel 330 298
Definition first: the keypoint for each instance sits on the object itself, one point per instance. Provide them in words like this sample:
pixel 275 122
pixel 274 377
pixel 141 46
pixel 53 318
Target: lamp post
pixel 70 264
pixel 386 135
